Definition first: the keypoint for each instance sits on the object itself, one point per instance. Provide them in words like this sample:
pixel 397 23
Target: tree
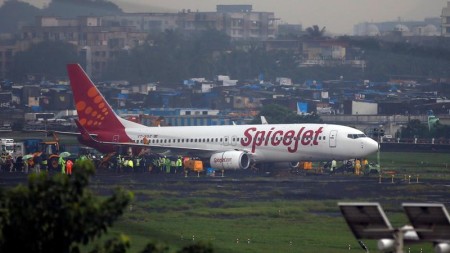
pixel 170 57
pixel 71 8
pixel 414 129
pixel 57 214
pixel 47 59
pixel 315 32
pixel 14 13
pixel 440 131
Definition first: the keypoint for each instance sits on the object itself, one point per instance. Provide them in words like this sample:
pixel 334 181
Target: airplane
pixel 226 147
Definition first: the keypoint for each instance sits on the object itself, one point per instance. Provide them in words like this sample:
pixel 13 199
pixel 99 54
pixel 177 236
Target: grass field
pixel 425 164
pixel 261 214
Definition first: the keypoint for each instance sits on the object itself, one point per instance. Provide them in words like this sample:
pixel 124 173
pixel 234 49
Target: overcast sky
pixel 338 16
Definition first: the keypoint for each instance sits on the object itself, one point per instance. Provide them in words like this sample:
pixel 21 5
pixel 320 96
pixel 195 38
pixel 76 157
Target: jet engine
pixel 230 160
pixel 294 165
pixel 442 248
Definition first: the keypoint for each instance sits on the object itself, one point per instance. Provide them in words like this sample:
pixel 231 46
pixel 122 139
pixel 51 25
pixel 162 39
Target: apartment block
pixel 99 39
pixel 237 21
pixel 445 21
pixel 98 43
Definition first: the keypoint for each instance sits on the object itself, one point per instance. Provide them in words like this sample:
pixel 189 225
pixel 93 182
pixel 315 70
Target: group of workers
pixel 121 163
pixel 128 163
pixel 34 163
pixel 357 165
pixel 162 164
pixel 7 162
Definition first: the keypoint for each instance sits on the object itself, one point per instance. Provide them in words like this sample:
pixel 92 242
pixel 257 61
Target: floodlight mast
pixel 430 222
pixel 400 235
pixel 398 240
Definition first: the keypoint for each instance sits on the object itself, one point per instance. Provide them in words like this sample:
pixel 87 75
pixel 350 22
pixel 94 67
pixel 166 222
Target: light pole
pixel 378 155
pixel 379 134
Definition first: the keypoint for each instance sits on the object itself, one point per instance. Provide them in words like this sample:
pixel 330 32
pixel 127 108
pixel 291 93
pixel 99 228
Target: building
pixel 8 48
pixel 240 22
pixel 427 27
pixel 324 49
pixel 143 22
pixel 290 30
pixel 100 39
pixel 445 21
pixel 98 43
pixel 237 21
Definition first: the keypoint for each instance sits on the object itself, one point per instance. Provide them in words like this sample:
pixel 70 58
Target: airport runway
pixel 265 187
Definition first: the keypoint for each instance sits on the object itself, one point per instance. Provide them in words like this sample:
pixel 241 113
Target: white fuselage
pixel 264 143
pixel 227 147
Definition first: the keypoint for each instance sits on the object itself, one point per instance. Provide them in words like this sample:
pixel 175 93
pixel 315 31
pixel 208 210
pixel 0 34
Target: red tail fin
pixel 94 113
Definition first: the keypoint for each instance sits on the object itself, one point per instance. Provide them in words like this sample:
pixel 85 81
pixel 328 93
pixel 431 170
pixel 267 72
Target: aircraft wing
pixel 51 132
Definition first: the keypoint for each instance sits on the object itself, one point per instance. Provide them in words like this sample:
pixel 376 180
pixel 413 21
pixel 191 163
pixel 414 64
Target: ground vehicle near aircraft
pixel 194 165
pixel 49 149
pixel 226 147
pixel 7 146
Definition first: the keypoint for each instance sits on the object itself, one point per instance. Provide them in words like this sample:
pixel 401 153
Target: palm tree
pixel 315 32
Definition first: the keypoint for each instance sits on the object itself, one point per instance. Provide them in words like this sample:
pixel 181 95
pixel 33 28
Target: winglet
pixel 264 120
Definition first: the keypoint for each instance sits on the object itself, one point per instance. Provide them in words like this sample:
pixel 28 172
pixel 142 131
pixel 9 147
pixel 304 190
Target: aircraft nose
pixel 371 146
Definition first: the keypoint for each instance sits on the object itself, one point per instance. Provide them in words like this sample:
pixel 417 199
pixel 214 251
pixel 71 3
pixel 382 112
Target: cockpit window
pixel 355 136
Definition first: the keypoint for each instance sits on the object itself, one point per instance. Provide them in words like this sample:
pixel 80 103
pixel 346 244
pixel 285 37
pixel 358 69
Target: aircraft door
pixel 332 138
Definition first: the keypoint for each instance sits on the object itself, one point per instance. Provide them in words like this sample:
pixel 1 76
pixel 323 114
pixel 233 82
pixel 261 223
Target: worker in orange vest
pixel 69 165
pixel 357 167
